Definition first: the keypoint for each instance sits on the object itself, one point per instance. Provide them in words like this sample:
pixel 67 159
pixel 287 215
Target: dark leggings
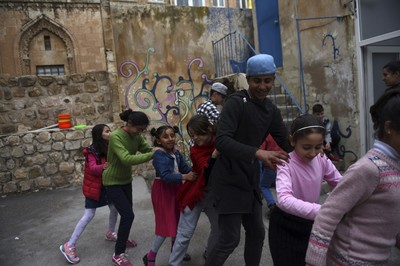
pixel 121 197
pixel 288 238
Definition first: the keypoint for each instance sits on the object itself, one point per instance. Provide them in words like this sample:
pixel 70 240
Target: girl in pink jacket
pixel 94 192
pixel 298 187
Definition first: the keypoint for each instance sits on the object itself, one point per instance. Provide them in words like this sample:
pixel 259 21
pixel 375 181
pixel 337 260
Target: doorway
pixel 376 58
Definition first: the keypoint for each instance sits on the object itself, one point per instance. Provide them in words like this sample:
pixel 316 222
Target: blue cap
pixel 260 65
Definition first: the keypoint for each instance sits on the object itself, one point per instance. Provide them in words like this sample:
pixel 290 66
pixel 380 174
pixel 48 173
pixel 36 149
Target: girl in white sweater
pixel 358 223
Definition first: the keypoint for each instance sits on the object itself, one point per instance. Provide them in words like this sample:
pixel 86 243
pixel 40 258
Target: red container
pixel 64 121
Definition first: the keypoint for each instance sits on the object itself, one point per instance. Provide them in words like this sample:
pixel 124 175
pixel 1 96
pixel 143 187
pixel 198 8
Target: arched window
pixel 45 44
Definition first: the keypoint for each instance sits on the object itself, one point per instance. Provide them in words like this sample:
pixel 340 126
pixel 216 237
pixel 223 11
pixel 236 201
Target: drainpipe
pixel 303 86
pixel 230 31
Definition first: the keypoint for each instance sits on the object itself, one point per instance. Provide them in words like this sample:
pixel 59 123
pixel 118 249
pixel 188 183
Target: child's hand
pixel 106 165
pixel 328 146
pixel 271 158
pixel 191 176
pixel 215 154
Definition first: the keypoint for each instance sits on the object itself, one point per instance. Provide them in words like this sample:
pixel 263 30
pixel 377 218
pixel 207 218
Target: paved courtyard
pixel 34 225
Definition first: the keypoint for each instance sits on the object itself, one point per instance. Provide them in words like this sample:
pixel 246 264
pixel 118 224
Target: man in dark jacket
pixel 245 121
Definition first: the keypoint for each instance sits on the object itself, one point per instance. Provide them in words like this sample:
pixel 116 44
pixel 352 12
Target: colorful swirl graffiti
pixel 173 103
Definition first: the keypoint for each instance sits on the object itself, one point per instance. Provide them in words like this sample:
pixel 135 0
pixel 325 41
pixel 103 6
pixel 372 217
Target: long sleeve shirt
pixel 358 223
pixel 122 154
pixel 298 184
pixel 164 164
pixel 96 169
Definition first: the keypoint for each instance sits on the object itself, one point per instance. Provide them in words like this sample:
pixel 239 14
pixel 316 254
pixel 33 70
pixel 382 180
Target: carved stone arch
pixel 33 28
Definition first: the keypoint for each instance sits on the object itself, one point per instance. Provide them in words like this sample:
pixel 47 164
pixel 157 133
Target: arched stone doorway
pixel 64 55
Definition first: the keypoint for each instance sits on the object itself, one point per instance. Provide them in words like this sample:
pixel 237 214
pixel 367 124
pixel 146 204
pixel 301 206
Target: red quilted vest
pixel 92 184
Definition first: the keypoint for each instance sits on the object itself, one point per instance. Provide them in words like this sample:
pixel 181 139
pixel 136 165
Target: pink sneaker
pixel 121 260
pixel 69 253
pixel 112 236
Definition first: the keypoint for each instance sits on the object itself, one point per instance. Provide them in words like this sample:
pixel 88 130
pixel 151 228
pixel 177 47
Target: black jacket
pixel 243 126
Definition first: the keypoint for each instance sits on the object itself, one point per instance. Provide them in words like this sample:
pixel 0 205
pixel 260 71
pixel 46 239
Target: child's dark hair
pixel 136 118
pixel 98 143
pixel 306 124
pixel 317 108
pixel 386 108
pixel 156 133
pixel 213 91
pixel 200 125
pixel 393 66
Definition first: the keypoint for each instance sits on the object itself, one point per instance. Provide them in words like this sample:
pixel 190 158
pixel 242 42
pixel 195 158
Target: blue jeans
pixel 267 178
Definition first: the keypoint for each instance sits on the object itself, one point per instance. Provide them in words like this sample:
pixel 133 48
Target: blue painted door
pixel 269 34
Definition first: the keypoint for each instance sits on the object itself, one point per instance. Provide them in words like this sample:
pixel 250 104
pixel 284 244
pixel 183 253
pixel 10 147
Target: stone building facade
pixel 158 58
pixel 143 55
pixel 34 102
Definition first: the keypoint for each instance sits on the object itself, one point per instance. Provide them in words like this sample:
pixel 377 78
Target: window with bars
pixel 50 70
pixel 189 2
pixel 47 43
pixel 219 3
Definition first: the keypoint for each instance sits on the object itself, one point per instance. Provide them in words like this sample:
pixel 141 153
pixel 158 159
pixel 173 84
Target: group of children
pixel 178 194
pixel 108 180
pixel 357 225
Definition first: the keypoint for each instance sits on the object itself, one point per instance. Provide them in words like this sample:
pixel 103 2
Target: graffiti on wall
pixel 341 150
pixel 167 100
pixel 330 37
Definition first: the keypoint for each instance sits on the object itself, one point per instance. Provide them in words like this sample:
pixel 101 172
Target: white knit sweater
pixel 358 223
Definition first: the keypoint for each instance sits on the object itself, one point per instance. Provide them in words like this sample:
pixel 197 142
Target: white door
pixel 376 58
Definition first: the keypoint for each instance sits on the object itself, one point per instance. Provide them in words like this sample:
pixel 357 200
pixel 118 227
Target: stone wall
pixel 47 160
pixel 33 102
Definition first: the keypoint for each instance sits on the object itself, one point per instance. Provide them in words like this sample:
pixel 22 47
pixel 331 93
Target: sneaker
pixel 121 260
pixel 147 261
pixel 112 236
pixel 69 253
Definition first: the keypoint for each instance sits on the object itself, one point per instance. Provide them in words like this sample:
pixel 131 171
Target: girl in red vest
pixel 94 192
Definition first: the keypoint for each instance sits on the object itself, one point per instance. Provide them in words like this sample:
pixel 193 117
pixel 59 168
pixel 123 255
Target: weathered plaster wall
pixel 152 57
pixel 165 57
pixel 328 61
